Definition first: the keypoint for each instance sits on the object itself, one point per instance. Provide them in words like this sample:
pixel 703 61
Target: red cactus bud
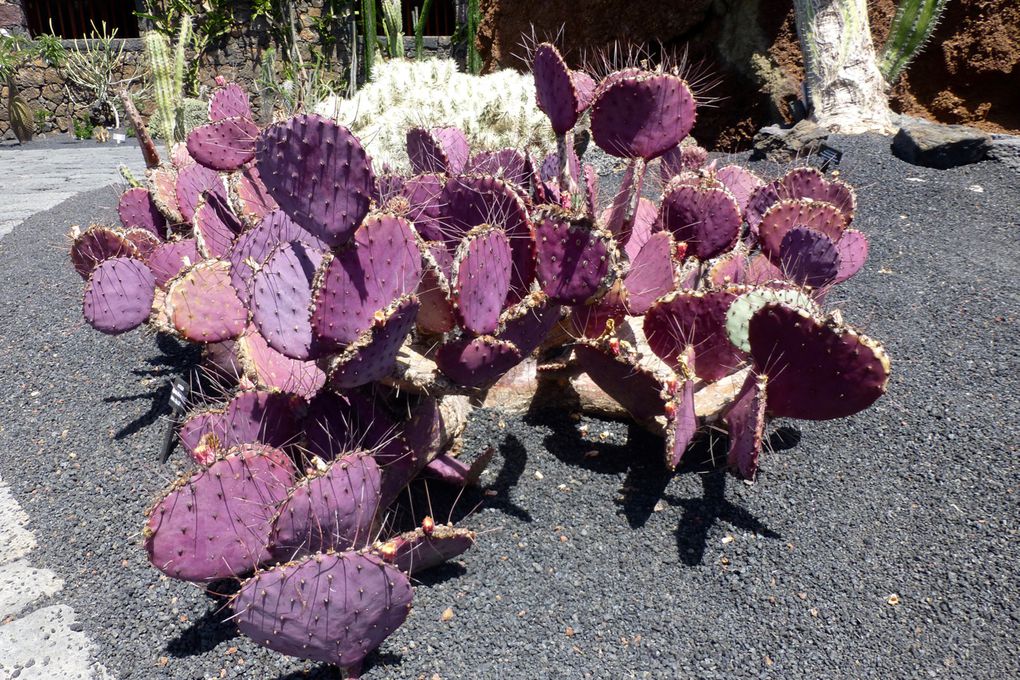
pixel 428 525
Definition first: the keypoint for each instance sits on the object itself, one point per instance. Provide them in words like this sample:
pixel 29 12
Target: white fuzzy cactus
pixel 494 111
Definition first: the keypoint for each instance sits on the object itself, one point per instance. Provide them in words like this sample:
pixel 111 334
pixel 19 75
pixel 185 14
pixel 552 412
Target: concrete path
pixel 39 638
pixel 36 179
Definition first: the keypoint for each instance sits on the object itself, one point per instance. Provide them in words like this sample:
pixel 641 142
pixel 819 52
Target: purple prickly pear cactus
pixel 697 320
pixel 681 421
pixel 382 263
pixel 318 173
pixel 253 248
pixel 144 241
pixel 507 164
pixel 642 116
pixel 554 89
pixel 137 210
pixel 336 425
pixel 226 144
pixel 373 356
pixel 680 159
pixel 169 259
pixel 437 150
pixel 420 550
pixel 729 269
pixel 229 101
pixel 652 273
pixel 250 417
pixel 584 88
pixel 96 244
pixel 215 524
pixel 481 279
pixel 817 370
pixel 477 362
pixel 741 182
pixel 269 369
pixel 853 252
pixel 575 261
pixel 202 304
pixel 527 323
pixel 194 181
pixel 426 205
pixel 216 226
pixel 281 299
pixel 162 183
pixel 785 215
pixel 704 217
pixel 436 313
pixel 810 183
pixel 330 607
pixel 118 295
pixel 745 421
pixel 809 257
pixel 249 196
pixel 333 508
pixel 615 368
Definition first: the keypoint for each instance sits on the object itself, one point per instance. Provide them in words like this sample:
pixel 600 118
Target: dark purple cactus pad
pixel 574 260
pixel 681 159
pixel 282 297
pixel 137 210
pixel 527 323
pixel 477 362
pixel 336 425
pixel 256 245
pixel 163 188
pixel 742 183
pixel 216 226
pixel 436 315
pixel 216 523
pixel 192 182
pixel 470 201
pixel 550 168
pixel 437 150
pixel 426 205
pixel 591 321
pixel 706 218
pixel 694 320
pixel 642 116
pixel 318 173
pixel 584 88
pixel 226 144
pixel 455 471
pixel 554 89
pixel 763 198
pixel 144 241
pixel 171 258
pixel 373 356
pixel 745 421
pixel 202 304
pixel 816 370
pixel 251 417
pixel 249 196
pixel 785 215
pixel 810 183
pixel 118 295
pixel 381 263
pixel 620 376
pixel 331 509
pixel 761 270
pixel 729 269
pixel 809 257
pixel 97 244
pixel 681 422
pixel 652 273
pixel 415 551
pixel 853 253
pixel 507 164
pixel 642 227
pixel 481 279
pixel 334 608
pixel 269 369
pixel 229 101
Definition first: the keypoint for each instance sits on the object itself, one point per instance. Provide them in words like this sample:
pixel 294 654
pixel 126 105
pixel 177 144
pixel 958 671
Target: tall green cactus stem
pixel 180 60
pixel 419 29
pixel 912 27
pixel 368 22
pixel 474 59
pixel 168 80
pixel 392 13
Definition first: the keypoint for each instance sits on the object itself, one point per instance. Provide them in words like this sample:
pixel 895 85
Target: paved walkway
pixel 32 180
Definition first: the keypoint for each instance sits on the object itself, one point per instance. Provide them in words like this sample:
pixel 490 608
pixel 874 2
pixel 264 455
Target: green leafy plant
pixel 15 52
pixel 83 128
pixel 291 87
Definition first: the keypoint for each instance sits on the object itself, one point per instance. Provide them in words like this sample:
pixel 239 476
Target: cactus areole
pixel 350 318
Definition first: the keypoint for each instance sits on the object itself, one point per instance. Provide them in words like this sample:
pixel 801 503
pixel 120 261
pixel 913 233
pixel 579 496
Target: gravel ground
pixel 880 546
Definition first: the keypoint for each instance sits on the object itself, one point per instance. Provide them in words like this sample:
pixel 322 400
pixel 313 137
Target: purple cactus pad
pixel 811 183
pixel 118 296
pixel 809 257
pixel 225 145
pixel 416 551
pixel 249 196
pixel 216 226
pixel 477 362
pixel 215 524
pixel 584 88
pixel 334 608
pixel 229 101
pixel 554 89
pixel 436 314
pixel 642 116
pixel 741 182
pixel 163 189
pixel 575 261
pixel 144 241
pixel 729 269
pixel 527 323
pixel 318 173
pixel 171 258
pixel 282 297
pixel 853 252
pixel 251 417
pixel 745 421
pixel 681 423
pixel 481 279
pixel 202 304
pixel 255 246
pixel 652 273
pixel 621 377
pixel 96 244
pixel 269 369
pixel 194 181
pixel 706 218
pixel 695 320
pixel 137 210
pixel 426 205
pixel 507 164
pixel 785 215
pixel 816 370
pixel 373 356
pixel 681 159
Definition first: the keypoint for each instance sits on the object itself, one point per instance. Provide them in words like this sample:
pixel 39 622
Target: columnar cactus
pixel 355 311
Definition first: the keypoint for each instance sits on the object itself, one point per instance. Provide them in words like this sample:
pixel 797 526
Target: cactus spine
pixel 912 26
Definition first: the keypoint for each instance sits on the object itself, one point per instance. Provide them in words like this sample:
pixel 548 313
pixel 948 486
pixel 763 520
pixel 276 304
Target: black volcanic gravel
pixel 591 563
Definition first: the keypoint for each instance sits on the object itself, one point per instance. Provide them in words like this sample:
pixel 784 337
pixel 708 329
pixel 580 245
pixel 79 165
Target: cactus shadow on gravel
pixel 212 628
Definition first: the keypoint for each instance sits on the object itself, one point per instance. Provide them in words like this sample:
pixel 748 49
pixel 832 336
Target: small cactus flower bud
pixel 670 409
pixel 681 250
pixel 388 550
pixel 428 525
pixel 614 346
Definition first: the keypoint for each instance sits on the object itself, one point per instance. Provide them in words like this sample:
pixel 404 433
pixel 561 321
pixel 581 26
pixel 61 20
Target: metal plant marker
pixel 178 400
